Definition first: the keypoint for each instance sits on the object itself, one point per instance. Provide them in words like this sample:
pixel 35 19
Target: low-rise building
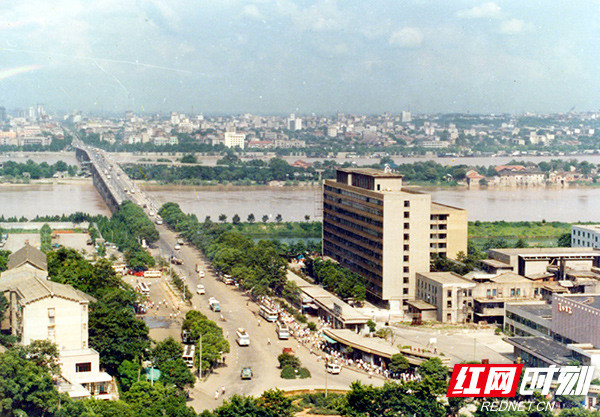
pixel 449 292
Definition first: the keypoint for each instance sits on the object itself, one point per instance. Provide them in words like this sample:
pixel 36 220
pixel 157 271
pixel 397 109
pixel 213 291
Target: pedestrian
pixel 259 323
pixel 268 341
pixel 216 394
pixel 223 389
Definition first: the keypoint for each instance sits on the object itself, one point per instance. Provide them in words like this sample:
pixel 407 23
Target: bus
pixel 268 313
pixel 242 337
pixel 188 355
pixel 143 288
pixel 152 273
pixel 283 331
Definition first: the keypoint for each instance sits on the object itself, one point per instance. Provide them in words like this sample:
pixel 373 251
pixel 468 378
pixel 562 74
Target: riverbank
pixel 156 186
pixel 47 181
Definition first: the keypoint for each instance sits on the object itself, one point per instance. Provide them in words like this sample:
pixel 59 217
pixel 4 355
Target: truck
pixel 214 304
pixel 176 261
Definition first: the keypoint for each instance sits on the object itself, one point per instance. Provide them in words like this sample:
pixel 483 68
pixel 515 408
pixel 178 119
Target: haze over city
pixel 296 56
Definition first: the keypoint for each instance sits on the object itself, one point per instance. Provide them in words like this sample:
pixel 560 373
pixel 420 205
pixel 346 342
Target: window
pixel 406 214
pixel 407 204
pixel 405 269
pixel 518 292
pixel 406 226
pixel 51 332
pixel 512 292
pixel 405 291
pixel 406 247
pixel 51 312
pixel 449 304
pixel 449 317
pixel 405 280
pixel 449 293
pixel 405 258
pixel 406 236
pixel 83 367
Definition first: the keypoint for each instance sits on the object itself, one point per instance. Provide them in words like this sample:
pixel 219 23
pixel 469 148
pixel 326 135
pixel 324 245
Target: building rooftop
pixel 28 254
pixel 546 348
pixel 446 277
pixel 510 277
pixel 543 310
pixel 547 251
pixel 371 172
pixel 438 208
pixel 590 227
pixel 33 289
pixel 589 300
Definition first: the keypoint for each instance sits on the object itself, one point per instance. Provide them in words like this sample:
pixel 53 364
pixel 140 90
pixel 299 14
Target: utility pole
pixel 326 362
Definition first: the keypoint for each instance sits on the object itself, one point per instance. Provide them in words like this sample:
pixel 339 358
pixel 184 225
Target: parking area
pixel 77 241
pixel 16 241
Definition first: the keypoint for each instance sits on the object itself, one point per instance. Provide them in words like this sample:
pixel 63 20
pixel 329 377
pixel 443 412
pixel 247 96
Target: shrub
pixel 312 326
pixel 285 359
pixel 303 373
pixel 288 372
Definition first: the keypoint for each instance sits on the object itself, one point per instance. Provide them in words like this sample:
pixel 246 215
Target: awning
pixel 328 339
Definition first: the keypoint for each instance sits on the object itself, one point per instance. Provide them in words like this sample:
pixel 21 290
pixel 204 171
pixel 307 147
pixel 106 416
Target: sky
pixel 303 57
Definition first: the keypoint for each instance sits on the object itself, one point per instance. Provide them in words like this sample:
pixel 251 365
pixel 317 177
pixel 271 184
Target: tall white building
pixel 294 123
pixel 40 309
pixel 406 117
pixel 233 139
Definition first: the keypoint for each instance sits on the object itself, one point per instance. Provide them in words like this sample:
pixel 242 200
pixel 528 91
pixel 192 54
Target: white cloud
pixel 514 26
pixel 407 37
pixel 252 11
pixel 323 16
pixel 489 10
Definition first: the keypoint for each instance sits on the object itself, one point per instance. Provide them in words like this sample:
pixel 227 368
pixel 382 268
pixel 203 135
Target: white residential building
pixel 40 309
pixel 233 139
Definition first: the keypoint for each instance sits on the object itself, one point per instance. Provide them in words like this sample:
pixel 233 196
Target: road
pixel 239 311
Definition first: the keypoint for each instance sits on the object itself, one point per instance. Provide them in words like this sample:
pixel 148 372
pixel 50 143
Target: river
pixel 569 205
pixel 58 197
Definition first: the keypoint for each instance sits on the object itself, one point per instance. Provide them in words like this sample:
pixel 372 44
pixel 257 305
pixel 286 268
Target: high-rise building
pixel 233 139
pixel 406 117
pixel 387 233
pixel 2 114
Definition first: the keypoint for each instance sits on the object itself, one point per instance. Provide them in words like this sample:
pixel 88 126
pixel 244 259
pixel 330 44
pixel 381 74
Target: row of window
pixel 349 244
pixel 353 215
pixel 346 254
pixel 528 323
pixel 356 196
pixel 333 218
pixel 342 231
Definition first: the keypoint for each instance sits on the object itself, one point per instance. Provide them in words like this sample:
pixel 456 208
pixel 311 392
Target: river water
pixel 573 204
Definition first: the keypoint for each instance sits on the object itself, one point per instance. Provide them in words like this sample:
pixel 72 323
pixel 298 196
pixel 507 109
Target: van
pixel 333 368
pixel 242 337
pixel 143 288
pixel 188 355
pixel 283 331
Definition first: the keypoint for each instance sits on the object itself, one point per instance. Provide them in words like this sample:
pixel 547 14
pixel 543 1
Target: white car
pixel 177 247
pixel 201 274
pixel 200 289
pixel 333 368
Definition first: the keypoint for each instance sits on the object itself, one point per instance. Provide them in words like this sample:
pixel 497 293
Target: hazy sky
pixel 279 56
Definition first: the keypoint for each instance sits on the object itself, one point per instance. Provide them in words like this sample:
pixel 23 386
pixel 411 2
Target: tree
pixel 564 240
pixel 278 218
pixel 235 219
pixel 222 218
pixel 25 387
pixel 306 217
pixel 371 325
pixel 398 363
pixel 251 218
pixel 521 243
pixel 149 400
pixel 189 159
pixel 265 218
pixel 115 332
pixel 128 373
pixel 434 375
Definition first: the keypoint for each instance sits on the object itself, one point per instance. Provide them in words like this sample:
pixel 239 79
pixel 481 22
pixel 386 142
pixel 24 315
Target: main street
pixel 237 311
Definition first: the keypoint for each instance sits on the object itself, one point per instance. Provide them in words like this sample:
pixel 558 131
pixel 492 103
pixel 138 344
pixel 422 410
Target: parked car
pixel 200 289
pixel 246 373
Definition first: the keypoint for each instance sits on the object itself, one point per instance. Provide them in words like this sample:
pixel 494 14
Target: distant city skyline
pixel 303 57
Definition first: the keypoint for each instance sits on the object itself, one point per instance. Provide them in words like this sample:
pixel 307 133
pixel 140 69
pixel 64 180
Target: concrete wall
pixel 70 323
pixel 68 360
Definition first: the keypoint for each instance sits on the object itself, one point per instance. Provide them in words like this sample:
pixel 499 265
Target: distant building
pixel 386 233
pixel 406 117
pixel 233 140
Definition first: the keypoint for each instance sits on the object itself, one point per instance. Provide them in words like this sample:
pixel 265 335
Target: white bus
pixel 143 288
pixel 242 337
pixel 283 331
pixel 268 313
pixel 188 355
pixel 152 273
